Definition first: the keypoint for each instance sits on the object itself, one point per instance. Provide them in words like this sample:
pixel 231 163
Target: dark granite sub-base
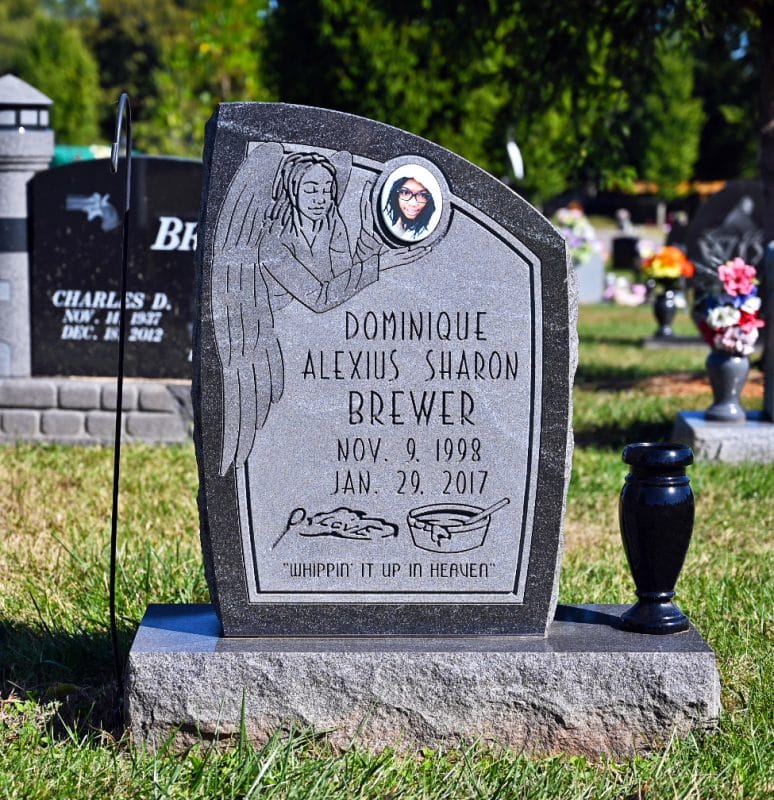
pixel 588 687
pixel 728 442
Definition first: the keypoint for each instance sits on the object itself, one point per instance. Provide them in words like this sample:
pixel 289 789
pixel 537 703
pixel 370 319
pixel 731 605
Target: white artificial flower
pixel 564 216
pixel 645 248
pixel 752 305
pixel 723 317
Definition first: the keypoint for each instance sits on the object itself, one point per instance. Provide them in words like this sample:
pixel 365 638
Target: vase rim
pixel 658 454
pixel 729 353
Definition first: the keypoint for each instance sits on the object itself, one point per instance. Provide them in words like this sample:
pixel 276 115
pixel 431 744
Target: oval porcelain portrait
pixel 410 203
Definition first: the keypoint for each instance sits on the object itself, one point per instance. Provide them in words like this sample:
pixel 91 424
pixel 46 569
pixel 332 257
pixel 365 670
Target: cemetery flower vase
pixel 727 373
pixel 656 512
pixel 665 308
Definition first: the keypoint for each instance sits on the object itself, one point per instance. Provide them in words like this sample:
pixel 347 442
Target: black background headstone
pixel 727 225
pixel 625 253
pixel 76 215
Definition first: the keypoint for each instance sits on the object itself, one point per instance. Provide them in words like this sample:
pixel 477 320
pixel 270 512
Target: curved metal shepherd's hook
pixel 124 112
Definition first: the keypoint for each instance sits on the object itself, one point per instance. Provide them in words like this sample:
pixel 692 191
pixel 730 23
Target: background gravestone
pixel 591 279
pixel 625 253
pixel 728 224
pixel 76 224
pixel 369 381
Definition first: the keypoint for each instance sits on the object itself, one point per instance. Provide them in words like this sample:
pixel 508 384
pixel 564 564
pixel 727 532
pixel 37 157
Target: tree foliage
pixel 412 65
pixel 129 38
pixel 595 92
pixel 50 54
pixel 464 74
pixel 670 119
pixel 219 53
pixel 727 80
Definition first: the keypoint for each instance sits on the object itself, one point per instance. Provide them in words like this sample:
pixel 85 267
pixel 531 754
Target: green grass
pixel 58 733
pixel 611 351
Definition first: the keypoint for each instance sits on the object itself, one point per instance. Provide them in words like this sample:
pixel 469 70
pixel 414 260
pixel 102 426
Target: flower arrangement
pixel 668 264
pixel 578 232
pixel 731 320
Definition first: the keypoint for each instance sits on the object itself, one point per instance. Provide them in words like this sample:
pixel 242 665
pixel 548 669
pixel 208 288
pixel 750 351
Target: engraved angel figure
pixel 280 236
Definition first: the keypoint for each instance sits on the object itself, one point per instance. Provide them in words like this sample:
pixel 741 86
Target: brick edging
pixel 78 411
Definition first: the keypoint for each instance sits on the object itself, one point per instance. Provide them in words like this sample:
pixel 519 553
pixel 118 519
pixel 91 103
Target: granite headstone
pixel 591 279
pixel 76 216
pixel 383 358
pixel 383 363
pixel 727 225
pixel 625 253
pixel 730 225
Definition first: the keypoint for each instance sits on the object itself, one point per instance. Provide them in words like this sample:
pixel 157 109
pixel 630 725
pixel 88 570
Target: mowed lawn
pixel 59 736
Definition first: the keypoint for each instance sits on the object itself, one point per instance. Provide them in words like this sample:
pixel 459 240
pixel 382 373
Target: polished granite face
pixel 382 372
pixel 75 241
pixel 589 628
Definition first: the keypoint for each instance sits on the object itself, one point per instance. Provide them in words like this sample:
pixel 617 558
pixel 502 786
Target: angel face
pixel 315 193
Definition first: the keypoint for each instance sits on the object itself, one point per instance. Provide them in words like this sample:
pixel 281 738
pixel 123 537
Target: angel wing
pixel 247 199
pixel 342 162
pixel 250 355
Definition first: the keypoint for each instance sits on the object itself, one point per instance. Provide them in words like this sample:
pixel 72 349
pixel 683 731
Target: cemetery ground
pixel 57 734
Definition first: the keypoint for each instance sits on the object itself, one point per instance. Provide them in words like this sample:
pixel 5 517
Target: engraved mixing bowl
pixel 442 528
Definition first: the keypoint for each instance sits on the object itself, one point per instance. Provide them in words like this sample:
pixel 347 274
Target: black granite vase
pixel 656 516
pixel 665 308
pixel 727 373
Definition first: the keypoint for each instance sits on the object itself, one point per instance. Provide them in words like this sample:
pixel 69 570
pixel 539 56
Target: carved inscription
pixel 92 316
pixel 403 421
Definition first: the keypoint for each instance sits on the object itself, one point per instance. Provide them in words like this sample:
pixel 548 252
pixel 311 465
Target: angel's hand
pixel 368 244
pixel 405 255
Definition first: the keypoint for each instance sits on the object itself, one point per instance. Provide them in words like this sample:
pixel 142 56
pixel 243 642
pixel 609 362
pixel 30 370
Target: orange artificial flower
pixel 668 263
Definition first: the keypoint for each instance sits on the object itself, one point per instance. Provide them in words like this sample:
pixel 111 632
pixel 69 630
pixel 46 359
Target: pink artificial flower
pixel 738 278
pixel 733 340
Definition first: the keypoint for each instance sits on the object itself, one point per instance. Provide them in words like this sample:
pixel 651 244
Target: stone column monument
pixel 26 147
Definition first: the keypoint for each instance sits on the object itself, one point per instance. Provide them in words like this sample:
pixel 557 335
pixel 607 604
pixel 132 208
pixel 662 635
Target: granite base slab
pixel 668 342
pixel 729 442
pixel 587 687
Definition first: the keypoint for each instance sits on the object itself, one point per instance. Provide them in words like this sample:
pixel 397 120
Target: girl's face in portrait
pixel 315 194
pixel 412 198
